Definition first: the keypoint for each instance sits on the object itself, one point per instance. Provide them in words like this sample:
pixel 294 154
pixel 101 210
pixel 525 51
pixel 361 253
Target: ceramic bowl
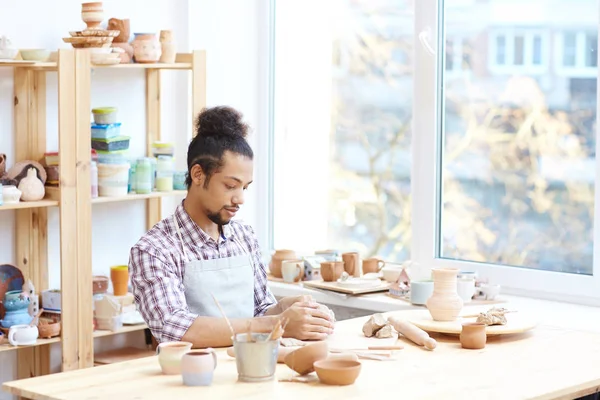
pixel 489 291
pixel 48 330
pixel 337 372
pixel 8 54
pixel 35 54
pixel 391 273
pixel 302 360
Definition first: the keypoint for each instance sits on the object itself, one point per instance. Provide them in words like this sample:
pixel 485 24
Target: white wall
pixel 231 33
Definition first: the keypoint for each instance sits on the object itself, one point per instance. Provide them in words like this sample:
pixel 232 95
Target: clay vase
pixel 197 367
pixel 146 48
pixel 331 271
pixel 277 259
pixel 351 263
pixel 121 25
pixel 170 354
pixel 168 47
pixel 445 303
pixel 473 335
pixel 92 14
pixel 119 275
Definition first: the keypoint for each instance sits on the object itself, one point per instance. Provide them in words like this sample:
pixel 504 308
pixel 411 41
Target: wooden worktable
pixel 550 362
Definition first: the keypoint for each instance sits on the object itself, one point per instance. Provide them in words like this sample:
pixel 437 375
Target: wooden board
pixel 518 322
pixel 124 354
pixel 333 286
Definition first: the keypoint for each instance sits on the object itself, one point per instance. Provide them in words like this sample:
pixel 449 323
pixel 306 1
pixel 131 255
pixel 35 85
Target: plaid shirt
pixel 157 266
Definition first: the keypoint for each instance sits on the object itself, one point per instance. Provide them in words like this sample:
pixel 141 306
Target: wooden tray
pixel 333 286
pixel 474 302
pixel 518 322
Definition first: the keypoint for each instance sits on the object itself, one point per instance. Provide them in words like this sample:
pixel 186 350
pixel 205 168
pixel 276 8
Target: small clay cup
pixel 337 372
pixel 331 271
pixel 473 335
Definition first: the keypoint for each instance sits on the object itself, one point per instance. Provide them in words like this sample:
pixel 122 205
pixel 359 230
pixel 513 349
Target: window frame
pixel 509 35
pixel 579 70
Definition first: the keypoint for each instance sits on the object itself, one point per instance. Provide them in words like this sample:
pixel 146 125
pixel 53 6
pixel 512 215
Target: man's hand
pixel 308 321
pixel 286 302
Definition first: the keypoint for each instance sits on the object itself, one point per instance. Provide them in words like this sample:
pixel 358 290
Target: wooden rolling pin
pixel 413 333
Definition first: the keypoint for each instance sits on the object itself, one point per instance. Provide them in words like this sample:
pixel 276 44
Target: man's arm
pixel 160 296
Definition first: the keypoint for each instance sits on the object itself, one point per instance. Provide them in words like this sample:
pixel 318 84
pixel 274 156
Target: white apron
pixel 230 279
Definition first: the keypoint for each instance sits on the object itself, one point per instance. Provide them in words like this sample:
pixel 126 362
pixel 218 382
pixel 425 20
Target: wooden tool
pixel 225 316
pixel 36 318
pixel 413 333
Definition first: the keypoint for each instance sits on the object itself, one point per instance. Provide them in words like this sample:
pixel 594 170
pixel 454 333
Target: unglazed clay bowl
pixel 337 372
pixel 35 54
pixel 302 360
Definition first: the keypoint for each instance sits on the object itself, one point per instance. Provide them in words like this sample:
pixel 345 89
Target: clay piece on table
pixel 386 332
pixel 375 323
pixel 494 316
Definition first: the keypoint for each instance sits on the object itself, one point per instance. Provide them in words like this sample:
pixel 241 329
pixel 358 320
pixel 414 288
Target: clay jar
pixel 445 303
pixel 170 354
pixel 119 275
pixel 146 48
pixel 352 263
pixel 277 259
pixel 473 335
pixel 197 367
pixel 168 47
pixel 331 271
pixel 92 14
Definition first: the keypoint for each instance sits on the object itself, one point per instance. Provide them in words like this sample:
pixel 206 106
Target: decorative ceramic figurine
pixel 445 303
pixel 31 187
pixel 29 291
pixel 6 52
pixel 121 25
pixel 146 48
pixel 16 306
pixel 168 47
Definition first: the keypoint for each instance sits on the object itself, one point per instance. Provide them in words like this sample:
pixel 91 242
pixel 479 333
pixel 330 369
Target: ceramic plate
pixel 358 283
pixel 11 278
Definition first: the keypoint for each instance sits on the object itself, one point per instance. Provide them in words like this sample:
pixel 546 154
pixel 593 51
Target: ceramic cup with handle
pixel 197 367
pixel 170 354
pixel 19 335
pixel 292 270
pixel 372 265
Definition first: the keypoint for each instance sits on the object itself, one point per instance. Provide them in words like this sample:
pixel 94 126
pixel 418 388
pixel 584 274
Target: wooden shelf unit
pixel 73 197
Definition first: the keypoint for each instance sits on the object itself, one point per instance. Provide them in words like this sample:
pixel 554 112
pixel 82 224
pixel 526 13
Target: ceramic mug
pixel 197 367
pixel 292 270
pixel 352 263
pixel 372 265
pixel 331 271
pixel 170 354
pixel 420 291
pixel 19 335
pixel 465 288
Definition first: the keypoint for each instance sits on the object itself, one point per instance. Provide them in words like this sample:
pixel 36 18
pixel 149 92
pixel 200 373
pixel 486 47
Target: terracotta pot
pixel 146 48
pixel 92 14
pixel 337 372
pixel 351 263
pixel 119 275
pixel 445 303
pixel 473 335
pixel 48 330
pixel 276 260
pixel 121 25
pixel 331 271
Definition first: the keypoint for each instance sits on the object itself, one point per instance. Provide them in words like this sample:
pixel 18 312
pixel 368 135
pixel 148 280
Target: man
pixel 199 252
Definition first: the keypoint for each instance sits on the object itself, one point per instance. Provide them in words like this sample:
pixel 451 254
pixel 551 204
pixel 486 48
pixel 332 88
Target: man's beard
pixel 218 219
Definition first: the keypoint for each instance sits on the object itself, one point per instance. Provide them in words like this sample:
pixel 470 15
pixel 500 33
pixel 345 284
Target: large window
pixel 446 132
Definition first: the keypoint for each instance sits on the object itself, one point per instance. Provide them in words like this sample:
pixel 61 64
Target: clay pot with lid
pixel 445 303
pixel 278 257
pixel 473 335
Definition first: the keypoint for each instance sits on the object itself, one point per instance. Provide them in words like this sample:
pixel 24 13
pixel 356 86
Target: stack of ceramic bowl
pixel 95 38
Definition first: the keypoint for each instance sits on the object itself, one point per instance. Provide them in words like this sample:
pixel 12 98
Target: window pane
pixel 518 166
pixel 569 49
pixel 500 50
pixel 342 156
pixel 537 50
pixel 519 48
pixel 591 53
pixel 449 55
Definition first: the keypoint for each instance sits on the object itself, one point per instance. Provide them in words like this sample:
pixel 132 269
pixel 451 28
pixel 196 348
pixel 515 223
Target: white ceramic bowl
pixel 8 54
pixel 391 273
pixel 35 54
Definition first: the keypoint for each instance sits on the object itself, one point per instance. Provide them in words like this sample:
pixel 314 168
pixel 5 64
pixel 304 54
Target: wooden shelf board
pixel 40 342
pixel 133 196
pixel 125 329
pixel 29 204
pixel 147 66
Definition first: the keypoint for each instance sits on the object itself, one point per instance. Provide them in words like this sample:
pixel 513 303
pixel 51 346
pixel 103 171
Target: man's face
pixel 224 195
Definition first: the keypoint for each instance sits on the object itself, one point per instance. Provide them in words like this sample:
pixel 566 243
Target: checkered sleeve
pixel 263 297
pixel 159 294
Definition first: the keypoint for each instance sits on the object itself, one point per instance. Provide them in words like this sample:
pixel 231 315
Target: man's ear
pixel 197 175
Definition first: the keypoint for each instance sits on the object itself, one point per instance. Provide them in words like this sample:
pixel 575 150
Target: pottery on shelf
pixel 31 187
pixel 331 271
pixel 16 305
pixel 146 48
pixel 6 52
pixel 473 335
pixel 168 47
pixel 445 303
pixel 278 257
pixel 121 25
pixel 10 194
pixel 92 14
